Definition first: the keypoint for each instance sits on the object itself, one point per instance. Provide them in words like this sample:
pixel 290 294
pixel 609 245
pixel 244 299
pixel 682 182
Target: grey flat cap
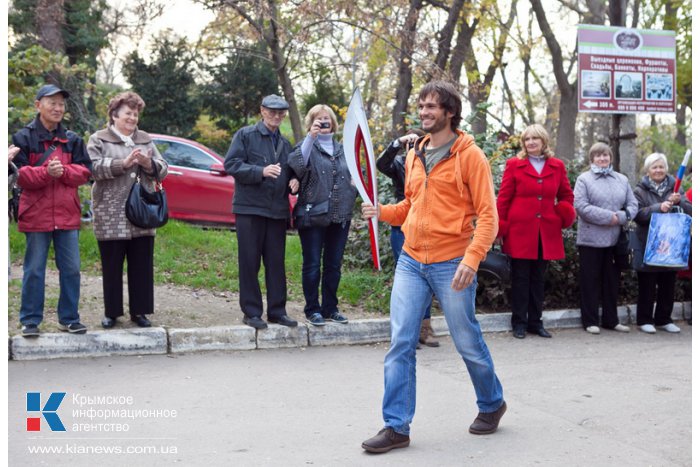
pixel 274 102
pixel 50 90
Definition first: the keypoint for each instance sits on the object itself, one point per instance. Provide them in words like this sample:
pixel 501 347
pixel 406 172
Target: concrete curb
pixel 93 344
pixel 277 336
pixel 178 341
pixel 214 338
pixel 361 331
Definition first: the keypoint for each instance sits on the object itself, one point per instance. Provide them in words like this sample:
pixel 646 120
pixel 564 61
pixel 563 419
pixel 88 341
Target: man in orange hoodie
pixel 450 220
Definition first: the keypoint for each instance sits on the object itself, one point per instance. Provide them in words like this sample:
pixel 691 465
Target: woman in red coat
pixel 535 203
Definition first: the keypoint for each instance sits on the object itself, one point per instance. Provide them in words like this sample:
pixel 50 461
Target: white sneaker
pixel 621 328
pixel 593 329
pixel 670 327
pixel 648 328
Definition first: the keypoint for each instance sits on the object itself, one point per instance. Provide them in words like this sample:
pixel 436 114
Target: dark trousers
pixel 659 285
pixel 599 281
pixel 261 237
pixel 139 271
pixel 327 243
pixel 527 291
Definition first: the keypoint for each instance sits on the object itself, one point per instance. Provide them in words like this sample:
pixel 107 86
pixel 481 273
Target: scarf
pixel 659 188
pixel 603 171
pixel 128 142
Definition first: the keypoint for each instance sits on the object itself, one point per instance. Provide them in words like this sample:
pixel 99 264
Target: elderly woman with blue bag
pixel 655 194
pixel 604 202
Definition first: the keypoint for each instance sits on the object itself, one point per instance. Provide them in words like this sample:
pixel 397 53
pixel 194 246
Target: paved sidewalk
pixel 612 400
pixel 159 340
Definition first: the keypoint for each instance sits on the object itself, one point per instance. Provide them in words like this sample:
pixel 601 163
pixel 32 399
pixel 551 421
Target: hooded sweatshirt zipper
pixel 420 155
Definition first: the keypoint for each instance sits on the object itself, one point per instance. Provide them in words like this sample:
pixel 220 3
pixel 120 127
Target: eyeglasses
pixel 278 113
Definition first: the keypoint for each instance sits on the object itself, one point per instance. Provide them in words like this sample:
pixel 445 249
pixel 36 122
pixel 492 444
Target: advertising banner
pixel 624 70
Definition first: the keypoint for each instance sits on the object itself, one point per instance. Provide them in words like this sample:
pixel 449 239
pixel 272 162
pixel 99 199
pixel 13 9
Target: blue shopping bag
pixel 668 243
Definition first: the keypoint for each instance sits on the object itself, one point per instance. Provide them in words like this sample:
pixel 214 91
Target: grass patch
pixel 189 256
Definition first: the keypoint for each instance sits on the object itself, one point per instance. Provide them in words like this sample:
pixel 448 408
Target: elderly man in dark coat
pixel 257 159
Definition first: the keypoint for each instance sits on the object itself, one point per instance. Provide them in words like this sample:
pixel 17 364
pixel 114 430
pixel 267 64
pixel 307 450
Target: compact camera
pixel 325 125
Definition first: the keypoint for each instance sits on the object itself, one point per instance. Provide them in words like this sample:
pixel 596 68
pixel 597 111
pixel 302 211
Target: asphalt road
pixel 574 400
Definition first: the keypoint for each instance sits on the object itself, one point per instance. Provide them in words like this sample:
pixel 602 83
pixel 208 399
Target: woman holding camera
pixel 323 213
pixel 119 154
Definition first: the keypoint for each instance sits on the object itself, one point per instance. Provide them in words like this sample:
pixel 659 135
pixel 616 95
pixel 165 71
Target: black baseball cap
pixel 51 90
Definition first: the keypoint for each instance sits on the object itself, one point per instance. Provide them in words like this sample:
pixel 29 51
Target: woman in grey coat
pixel 323 213
pixel 118 153
pixel 604 202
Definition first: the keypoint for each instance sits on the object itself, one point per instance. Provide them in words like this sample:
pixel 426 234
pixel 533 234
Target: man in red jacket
pixel 52 164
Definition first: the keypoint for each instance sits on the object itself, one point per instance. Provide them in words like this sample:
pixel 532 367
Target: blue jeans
pixel 414 285
pixel 328 242
pixel 397 238
pixel 65 244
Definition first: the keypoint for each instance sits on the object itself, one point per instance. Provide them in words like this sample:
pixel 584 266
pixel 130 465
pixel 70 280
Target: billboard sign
pixel 626 71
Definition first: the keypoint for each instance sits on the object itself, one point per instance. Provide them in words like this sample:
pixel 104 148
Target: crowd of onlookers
pixel 535 202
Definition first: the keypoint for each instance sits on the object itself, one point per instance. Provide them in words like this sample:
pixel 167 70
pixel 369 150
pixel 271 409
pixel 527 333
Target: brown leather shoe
pixel 386 440
pixel 426 334
pixel 487 423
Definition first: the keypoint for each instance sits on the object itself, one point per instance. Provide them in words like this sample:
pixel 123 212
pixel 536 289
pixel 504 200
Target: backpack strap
pixel 52 147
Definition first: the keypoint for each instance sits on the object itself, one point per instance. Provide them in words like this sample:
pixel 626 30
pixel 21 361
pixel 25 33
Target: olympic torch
pixel 359 156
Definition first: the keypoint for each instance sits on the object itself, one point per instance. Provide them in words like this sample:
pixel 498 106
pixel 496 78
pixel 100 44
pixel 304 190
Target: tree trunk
pixel 623 125
pixel 445 40
pixel 513 109
pixel 617 10
pixel 405 82
pixel 460 51
pixel 273 42
pixel 551 118
pixel 526 56
pixel 566 129
pixel 681 126
pixel 373 85
pixel 568 103
pixel 266 27
pixel 49 24
pixel 599 123
pixel 628 148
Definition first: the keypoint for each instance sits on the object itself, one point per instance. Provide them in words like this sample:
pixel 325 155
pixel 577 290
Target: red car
pixel 199 189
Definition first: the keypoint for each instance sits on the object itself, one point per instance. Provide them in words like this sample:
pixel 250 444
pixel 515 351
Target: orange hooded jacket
pixel 451 212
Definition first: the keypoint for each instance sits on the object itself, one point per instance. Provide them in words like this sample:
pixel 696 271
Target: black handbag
pixel 147 209
pixel 637 247
pixel 312 215
pixel 496 265
pixel 622 249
